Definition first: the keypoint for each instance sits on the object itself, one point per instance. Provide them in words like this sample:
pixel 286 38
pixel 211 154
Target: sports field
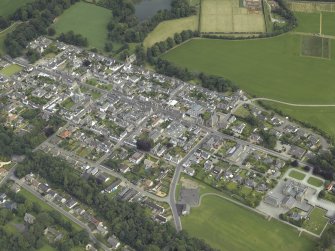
pixel 8 7
pixel 229 227
pixel 86 19
pixel 311 7
pixel 228 16
pixel 168 28
pixel 10 70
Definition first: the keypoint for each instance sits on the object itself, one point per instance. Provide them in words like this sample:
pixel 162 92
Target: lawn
pixel 8 7
pixel 297 175
pixel 227 226
pixel 168 28
pixel 316 221
pixel 86 19
pixel 310 22
pixel 315 182
pixel 10 70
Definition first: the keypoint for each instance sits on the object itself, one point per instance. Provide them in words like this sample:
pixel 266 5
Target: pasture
pixel 8 7
pixel 229 227
pixel 227 16
pixel 277 73
pixel 86 19
pixel 168 28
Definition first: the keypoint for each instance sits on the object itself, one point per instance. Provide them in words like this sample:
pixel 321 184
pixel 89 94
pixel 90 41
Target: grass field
pixel 315 182
pixel 228 16
pixel 229 227
pixel 86 19
pixel 10 70
pixel 315 46
pixel 297 175
pixel 316 221
pixel 277 73
pixel 168 28
pixel 311 7
pixel 8 7
pixel 310 22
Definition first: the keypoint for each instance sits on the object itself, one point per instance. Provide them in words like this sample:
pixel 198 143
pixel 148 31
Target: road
pixel 60 210
pixel 74 157
pixel 174 183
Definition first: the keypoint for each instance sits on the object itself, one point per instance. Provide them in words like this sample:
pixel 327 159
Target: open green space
pixel 10 70
pixel 227 226
pixel 168 28
pixel 315 182
pixel 86 19
pixel 316 220
pixel 8 7
pixel 280 72
pixel 296 175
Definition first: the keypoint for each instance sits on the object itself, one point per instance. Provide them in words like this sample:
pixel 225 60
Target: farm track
pixel 291 104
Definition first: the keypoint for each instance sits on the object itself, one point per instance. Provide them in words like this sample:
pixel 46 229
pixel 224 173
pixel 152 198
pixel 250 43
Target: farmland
pixel 227 226
pixel 229 16
pixel 168 28
pixel 276 75
pixel 8 7
pixel 86 19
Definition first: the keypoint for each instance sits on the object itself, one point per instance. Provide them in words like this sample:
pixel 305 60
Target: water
pixel 145 9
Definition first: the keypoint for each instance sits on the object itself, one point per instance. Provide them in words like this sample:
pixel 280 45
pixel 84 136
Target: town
pixel 141 134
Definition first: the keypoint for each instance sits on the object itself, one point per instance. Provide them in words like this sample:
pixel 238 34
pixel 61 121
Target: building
pixel 28 218
pixel 113 242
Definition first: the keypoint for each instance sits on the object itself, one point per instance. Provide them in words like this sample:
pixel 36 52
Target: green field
pixel 277 73
pixel 229 227
pixel 310 22
pixel 297 175
pixel 8 7
pixel 316 221
pixel 10 70
pixel 86 19
pixel 168 28
pixel 315 182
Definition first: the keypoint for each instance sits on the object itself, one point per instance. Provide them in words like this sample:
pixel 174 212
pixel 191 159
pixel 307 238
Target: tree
pixel 177 38
pixel 144 145
pixel 108 47
pixel 51 31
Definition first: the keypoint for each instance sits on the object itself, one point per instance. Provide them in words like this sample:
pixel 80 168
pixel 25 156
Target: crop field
pixel 226 16
pixel 311 6
pixel 229 227
pixel 315 46
pixel 8 7
pixel 86 19
pixel 168 28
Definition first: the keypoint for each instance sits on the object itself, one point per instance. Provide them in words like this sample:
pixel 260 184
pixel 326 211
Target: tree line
pixel 125 26
pixel 130 222
pixel 36 17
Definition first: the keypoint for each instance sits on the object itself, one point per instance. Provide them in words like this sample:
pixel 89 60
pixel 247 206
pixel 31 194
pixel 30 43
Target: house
pixel 113 242
pixel 113 187
pixel 102 177
pixel 186 209
pixel 3 198
pixel 71 203
pixel 15 188
pixel 189 170
pixel 288 202
pixel 137 157
pixel 43 188
pixel 153 206
pixel 28 218
pixel 124 169
pixel 90 247
pixel 272 201
pixel 297 152
pixel 161 219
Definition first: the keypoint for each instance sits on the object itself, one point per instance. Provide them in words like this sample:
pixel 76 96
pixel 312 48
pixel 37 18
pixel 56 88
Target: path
pixel 290 104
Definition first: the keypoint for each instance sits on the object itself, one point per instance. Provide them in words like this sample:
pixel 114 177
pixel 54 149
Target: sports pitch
pixel 229 227
pixel 315 46
pixel 227 16
pixel 310 23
